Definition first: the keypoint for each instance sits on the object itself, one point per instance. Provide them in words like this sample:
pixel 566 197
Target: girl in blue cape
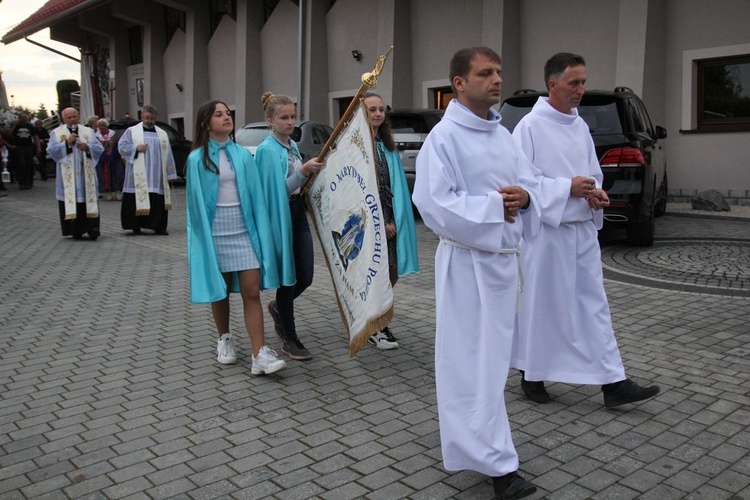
pixel 229 234
pixel 283 174
pixel 397 210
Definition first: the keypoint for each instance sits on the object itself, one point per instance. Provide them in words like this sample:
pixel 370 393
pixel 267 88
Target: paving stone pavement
pixel 109 386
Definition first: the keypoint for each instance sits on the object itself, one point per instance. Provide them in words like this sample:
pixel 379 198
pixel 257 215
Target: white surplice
pixel 565 326
pixel 153 156
pixel 461 165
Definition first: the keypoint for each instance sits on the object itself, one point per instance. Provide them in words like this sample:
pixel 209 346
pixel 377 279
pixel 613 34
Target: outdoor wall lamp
pixel 357 55
pixel 179 86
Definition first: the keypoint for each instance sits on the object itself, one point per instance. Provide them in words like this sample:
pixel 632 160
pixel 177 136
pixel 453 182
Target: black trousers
pixel 80 225
pixel 156 220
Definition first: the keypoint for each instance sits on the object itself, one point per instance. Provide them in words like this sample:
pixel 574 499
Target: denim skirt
pixel 234 250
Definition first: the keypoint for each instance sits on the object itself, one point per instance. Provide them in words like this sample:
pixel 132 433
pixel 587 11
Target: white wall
pixel 174 72
pixel 221 62
pixel 703 161
pixel 352 25
pixel 584 27
pixel 439 29
pixel 279 42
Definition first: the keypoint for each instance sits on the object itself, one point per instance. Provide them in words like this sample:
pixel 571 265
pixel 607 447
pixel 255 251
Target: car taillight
pixel 623 157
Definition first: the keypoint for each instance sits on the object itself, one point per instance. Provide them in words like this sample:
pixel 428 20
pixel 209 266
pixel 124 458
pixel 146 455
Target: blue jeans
pixel 303 265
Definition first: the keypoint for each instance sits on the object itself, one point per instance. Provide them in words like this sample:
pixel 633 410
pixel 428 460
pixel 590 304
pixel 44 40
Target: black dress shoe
pixel 162 232
pixel 512 486
pixel 94 234
pixel 627 391
pixel 534 391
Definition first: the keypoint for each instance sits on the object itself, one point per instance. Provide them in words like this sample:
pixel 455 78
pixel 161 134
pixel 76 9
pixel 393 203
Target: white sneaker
pixel 225 350
pixel 267 362
pixel 380 340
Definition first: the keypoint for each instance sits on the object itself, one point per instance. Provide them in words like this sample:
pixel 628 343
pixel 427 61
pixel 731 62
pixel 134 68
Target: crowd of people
pixel 518 276
pixel 31 136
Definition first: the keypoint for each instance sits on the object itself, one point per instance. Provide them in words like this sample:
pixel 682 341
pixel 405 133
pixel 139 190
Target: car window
pixel 511 115
pixel 638 126
pixel 319 135
pixel 602 119
pixel 171 133
pixel 296 134
pixel 641 111
pixel 251 136
pixel 406 124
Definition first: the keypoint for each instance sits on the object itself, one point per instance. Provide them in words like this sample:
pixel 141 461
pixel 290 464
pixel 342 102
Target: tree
pixel 42 112
pixel 64 89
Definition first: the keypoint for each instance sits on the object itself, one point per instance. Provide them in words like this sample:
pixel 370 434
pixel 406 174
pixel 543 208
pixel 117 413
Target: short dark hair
pixel 558 63
pixel 461 61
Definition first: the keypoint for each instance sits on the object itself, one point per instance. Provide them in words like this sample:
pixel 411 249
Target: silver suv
pixel 410 128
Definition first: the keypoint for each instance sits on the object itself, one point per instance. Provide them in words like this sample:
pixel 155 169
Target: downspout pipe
pixel 301 55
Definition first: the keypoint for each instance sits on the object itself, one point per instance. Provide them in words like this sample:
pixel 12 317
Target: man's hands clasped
pixel 585 187
pixel 514 199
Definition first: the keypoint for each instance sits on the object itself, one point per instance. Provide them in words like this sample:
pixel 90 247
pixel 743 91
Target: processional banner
pixel 348 218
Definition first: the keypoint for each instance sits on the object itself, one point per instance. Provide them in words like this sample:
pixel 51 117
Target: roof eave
pixel 13 37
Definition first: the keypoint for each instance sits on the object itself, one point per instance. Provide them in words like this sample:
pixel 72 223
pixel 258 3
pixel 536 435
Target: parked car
pixel 310 137
pixel 181 147
pixel 630 153
pixel 410 128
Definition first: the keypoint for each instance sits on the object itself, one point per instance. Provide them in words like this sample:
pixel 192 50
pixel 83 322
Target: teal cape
pixel 202 189
pixel 273 164
pixel 406 234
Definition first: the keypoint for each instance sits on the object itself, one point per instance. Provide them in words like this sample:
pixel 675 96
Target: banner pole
pixel 369 80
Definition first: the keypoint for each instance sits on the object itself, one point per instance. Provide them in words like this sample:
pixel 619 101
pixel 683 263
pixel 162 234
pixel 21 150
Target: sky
pixel 30 73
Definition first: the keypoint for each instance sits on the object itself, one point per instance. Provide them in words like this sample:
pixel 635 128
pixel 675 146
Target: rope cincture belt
pixel 516 250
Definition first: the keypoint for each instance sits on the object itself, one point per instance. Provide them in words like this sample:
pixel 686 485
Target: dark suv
pixel 410 128
pixel 630 154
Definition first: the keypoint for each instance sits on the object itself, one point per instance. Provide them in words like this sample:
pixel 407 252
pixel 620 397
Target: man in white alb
pixel 468 192
pixel 565 326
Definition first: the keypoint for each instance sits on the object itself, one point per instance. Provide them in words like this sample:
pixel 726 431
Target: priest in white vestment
pixel 147 195
pixel 467 191
pixel 565 326
pixel 76 152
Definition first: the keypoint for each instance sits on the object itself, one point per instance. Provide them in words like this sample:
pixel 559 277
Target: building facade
pixel 176 54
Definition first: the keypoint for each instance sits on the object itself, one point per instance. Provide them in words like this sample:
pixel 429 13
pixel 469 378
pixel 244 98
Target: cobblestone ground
pixel 109 387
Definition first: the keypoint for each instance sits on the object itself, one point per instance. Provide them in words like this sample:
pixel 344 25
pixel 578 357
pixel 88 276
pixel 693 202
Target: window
pixel 220 8
pixel 136 45
pixel 175 20
pixel 724 93
pixel 442 97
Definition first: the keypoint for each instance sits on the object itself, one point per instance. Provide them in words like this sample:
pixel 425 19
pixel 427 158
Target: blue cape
pixel 272 160
pixel 406 234
pixel 202 189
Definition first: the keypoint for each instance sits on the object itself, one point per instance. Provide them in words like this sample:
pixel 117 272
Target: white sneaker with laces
pixel 267 362
pixel 225 350
pixel 380 340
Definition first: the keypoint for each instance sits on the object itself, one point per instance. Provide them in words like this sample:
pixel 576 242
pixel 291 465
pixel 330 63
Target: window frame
pixel 725 124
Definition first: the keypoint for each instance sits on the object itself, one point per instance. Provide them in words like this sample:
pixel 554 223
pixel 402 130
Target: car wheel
pixel 661 204
pixel 641 234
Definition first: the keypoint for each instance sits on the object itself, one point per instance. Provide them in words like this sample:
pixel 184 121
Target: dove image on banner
pixel 348 219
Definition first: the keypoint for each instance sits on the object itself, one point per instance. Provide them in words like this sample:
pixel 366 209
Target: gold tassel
pixel 372 326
